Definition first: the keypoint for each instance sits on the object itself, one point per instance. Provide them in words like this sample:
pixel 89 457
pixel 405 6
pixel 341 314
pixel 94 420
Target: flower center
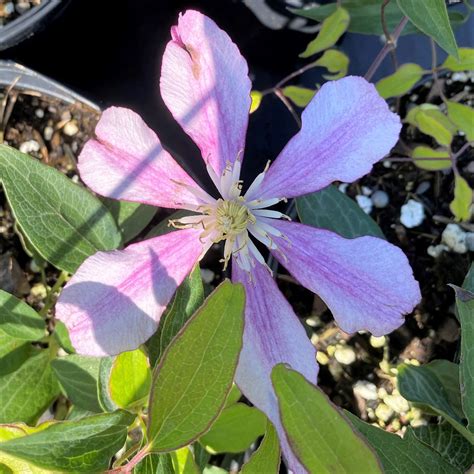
pixel 232 217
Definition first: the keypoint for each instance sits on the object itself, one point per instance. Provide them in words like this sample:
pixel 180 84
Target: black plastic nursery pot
pixel 30 22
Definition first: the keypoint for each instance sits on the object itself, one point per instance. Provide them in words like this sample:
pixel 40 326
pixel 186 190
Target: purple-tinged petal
pixel 366 282
pixel 115 300
pixel 272 334
pixel 347 127
pixel 204 83
pixel 127 162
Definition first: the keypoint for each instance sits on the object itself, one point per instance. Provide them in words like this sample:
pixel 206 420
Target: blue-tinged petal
pixel 272 334
pixel 366 282
pixel 347 127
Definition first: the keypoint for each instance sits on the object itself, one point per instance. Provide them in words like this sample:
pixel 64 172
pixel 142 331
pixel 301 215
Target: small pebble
pixel 386 164
pixel 366 390
pixel 436 250
pixel 377 342
pixel 29 146
pixel 383 412
pixel 343 187
pixel 412 214
pixel 34 267
pixel 48 133
pixel 322 358
pixel 207 275
pixel 8 8
pixel 470 241
pixel 423 187
pixel 22 7
pixel 397 403
pixel 39 113
pixel 459 77
pixel 366 191
pixel 455 238
pixel 39 291
pixel 71 128
pixel 345 354
pixel 380 199
pixel 365 203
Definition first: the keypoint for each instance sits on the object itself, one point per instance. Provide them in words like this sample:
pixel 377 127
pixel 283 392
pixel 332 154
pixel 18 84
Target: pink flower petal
pixel 115 300
pixel 347 127
pixel 127 162
pixel 272 334
pixel 204 83
pixel 366 282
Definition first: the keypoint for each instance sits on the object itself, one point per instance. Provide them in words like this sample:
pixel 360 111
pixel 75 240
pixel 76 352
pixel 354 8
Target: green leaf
pixel 431 165
pixel 131 217
pixel 78 376
pixel 63 221
pixel 130 379
pixel 319 434
pixel 365 16
pixel 234 396
pixel 61 334
pixel 461 204
pixel 236 428
pixel 18 320
pixel 333 210
pixel 155 464
pixel 468 283
pixel 13 352
pixel 79 446
pixel 465 306
pixel 402 456
pixel 465 62
pixel 463 117
pixel 431 17
pixel 301 96
pixel 435 385
pixel 188 298
pixel 431 121
pixel 401 81
pixel 454 448
pixel 267 457
pixel 332 29
pixel 256 97
pixel 26 393
pixel 10 464
pixel 334 61
pixel 183 461
pixel 195 374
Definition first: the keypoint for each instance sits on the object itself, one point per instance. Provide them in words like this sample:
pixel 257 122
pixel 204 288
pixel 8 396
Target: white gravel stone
pixel 455 238
pixel 397 403
pixel 380 199
pixel 345 354
pixel 366 191
pixel 366 390
pixel 30 146
pixel 412 214
pixel 71 128
pixel 48 133
pixel 470 241
pixel 207 275
pixel 436 250
pixel 460 77
pixel 365 203
pixel 39 113
pixel 377 342
pixel 383 412
pixel 343 187
pixel 9 8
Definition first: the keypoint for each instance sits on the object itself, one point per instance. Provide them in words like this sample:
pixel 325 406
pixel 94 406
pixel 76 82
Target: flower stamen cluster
pixel 233 218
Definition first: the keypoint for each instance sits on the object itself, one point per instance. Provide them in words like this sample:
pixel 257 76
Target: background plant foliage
pixel 117 410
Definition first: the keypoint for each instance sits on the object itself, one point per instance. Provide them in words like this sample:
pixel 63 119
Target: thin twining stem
pixel 389 45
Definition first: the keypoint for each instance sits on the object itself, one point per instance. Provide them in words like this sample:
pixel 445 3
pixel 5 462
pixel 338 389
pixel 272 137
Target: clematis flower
pixel 115 300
